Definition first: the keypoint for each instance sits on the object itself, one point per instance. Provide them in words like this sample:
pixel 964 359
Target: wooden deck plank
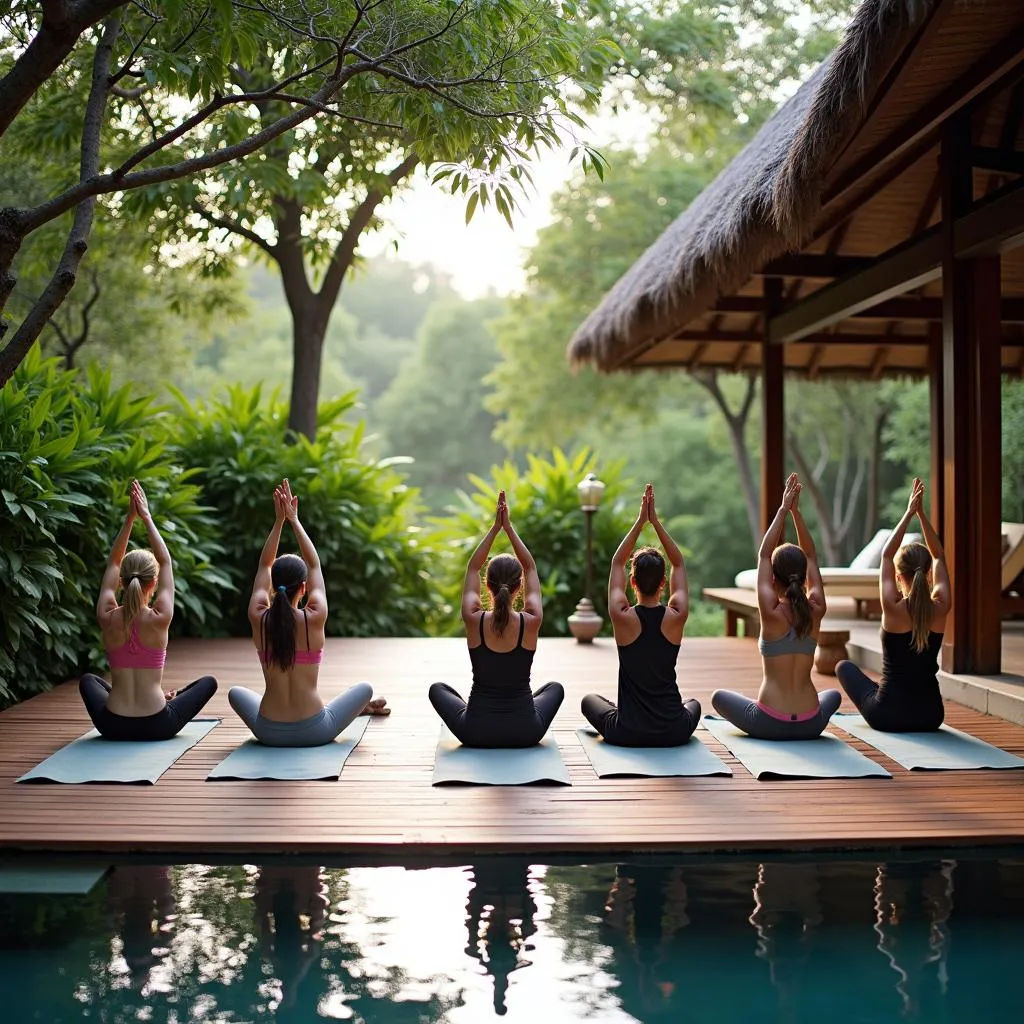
pixel 384 802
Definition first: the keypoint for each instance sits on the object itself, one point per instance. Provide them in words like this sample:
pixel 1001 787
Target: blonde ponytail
pixel 139 568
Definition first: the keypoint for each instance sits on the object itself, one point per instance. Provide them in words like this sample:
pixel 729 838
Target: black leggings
pixel 603 715
pixel 177 713
pixel 497 728
pixel 881 711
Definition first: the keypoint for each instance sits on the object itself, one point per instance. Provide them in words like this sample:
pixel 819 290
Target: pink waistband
pixel 782 716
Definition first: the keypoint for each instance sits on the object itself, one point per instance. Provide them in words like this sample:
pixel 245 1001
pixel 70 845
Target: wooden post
pixel 936 486
pixel 971 340
pixel 773 416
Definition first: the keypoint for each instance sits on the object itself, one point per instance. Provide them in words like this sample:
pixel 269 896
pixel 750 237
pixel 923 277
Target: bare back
pixel 786 683
pixel 135 692
pixel 291 694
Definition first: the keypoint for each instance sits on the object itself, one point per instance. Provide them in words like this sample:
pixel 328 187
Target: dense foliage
pixel 70 444
pixel 359 512
pixel 544 508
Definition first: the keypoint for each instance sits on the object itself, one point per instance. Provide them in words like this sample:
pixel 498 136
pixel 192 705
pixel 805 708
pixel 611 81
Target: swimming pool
pixel 727 941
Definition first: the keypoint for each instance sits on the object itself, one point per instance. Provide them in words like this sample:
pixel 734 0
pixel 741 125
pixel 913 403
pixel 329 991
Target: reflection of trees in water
pixel 500 914
pixel 913 904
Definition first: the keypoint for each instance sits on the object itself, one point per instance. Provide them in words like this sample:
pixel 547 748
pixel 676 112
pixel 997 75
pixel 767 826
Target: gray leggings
pixel 745 714
pixel 314 731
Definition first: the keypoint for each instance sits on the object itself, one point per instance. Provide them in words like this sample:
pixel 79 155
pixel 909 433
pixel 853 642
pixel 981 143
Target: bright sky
pixel 430 225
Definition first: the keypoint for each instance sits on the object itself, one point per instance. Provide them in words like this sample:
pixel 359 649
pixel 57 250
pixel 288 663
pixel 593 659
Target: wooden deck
pixel 384 804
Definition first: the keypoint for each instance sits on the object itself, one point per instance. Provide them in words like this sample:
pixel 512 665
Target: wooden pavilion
pixel 873 226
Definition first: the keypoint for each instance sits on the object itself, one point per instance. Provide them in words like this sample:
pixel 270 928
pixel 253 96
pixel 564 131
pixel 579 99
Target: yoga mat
pixel 253 760
pixel 692 758
pixel 50 879
pixel 502 766
pixel 827 757
pixel 947 749
pixel 91 758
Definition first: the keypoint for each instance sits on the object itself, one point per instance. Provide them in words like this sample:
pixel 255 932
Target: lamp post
pixel 585 623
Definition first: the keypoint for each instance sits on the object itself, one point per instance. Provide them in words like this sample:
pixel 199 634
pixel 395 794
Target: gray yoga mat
pixel 691 758
pixel 253 760
pixel 948 749
pixel 827 757
pixel 51 879
pixel 502 766
pixel 91 758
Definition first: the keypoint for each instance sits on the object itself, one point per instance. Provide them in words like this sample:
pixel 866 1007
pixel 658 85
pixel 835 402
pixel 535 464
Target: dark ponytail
pixel 912 563
pixel 504 575
pixel 789 564
pixel 277 628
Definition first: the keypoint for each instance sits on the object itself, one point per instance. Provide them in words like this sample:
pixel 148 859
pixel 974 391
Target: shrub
pixel 68 451
pixel 544 509
pixel 359 513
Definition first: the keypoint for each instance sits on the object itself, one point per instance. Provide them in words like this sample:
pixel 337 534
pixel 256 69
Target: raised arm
pixel 618 601
pixel 316 588
pixel 107 600
pixel 767 599
pixel 815 588
pixel 163 604
pixel 471 604
pixel 533 604
pixel 679 592
pixel 942 592
pixel 888 591
pixel 259 600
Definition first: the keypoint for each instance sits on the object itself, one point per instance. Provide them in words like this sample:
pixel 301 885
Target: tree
pixel 171 95
pixel 434 408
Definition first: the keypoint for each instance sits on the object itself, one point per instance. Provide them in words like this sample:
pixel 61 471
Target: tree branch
pixel 345 250
pixel 115 182
pixel 63 279
pixel 234 227
pixel 63 24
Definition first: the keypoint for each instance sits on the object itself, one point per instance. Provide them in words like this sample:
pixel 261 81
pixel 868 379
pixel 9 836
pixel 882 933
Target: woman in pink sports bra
pixel 134 706
pixel 290 643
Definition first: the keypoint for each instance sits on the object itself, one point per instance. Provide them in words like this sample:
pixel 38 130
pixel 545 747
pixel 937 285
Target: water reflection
pixel 727 941
pixel 140 901
pixel 913 904
pixel 500 914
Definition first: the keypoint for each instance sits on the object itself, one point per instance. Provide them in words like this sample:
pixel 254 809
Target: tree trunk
pixel 821 504
pixel 874 474
pixel 309 328
pixel 737 423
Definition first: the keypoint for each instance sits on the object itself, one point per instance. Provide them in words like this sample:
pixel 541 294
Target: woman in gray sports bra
pixel 791 600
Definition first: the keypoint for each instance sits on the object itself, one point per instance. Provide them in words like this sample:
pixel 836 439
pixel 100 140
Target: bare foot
pixel 377 706
pixel 171 695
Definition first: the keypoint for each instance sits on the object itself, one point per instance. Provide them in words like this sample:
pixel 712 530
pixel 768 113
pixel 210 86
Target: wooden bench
pixel 740 605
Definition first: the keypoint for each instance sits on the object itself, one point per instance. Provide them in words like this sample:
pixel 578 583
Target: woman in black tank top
pixel 650 711
pixel 916 598
pixel 502 711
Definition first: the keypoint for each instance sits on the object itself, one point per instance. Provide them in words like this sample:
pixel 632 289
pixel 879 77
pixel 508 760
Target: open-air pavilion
pixel 872 227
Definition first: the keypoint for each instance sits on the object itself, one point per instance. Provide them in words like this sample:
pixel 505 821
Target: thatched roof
pixel 761 205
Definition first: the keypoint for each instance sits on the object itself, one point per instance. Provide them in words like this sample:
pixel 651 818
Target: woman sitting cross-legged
pixel 501 711
pixel 290 641
pixel 134 706
pixel 650 712
pixel 791 600
pixel 916 599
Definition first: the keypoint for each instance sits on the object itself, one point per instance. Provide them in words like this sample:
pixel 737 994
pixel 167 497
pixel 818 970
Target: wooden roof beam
pixel 820 266
pixel 993 224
